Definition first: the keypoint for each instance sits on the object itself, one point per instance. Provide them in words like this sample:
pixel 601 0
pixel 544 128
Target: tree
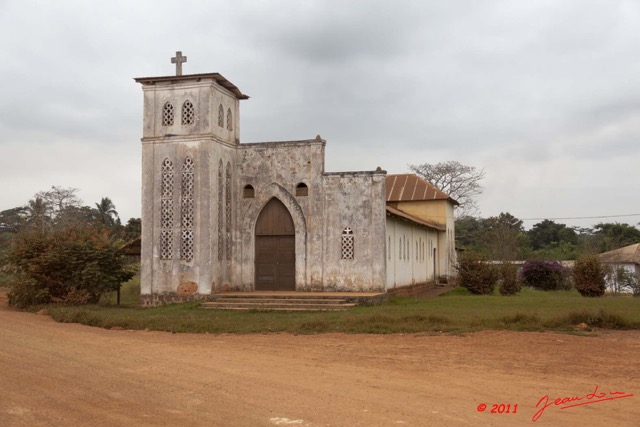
pixel 71 264
pixel 547 234
pixel 469 231
pixel 12 220
pixel 38 213
pixel 615 235
pixel 504 237
pixel 553 241
pixel 58 199
pixel 133 229
pixel 459 181
pixel 107 212
pixel 620 280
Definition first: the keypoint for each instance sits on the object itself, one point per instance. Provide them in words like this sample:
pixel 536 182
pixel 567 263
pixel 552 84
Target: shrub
pixel 588 276
pixel 74 264
pixel 545 275
pixel 510 282
pixel 476 275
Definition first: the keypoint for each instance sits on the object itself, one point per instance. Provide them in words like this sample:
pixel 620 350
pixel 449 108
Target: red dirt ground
pixel 70 375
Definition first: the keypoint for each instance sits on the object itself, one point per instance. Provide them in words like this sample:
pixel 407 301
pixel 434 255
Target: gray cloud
pixel 541 94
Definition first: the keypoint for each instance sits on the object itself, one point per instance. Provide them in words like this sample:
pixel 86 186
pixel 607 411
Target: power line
pixel 580 217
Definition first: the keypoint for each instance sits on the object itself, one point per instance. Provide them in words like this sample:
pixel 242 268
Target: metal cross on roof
pixel 178 60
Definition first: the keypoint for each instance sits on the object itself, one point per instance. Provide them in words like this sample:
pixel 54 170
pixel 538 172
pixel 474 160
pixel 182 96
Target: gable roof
pixel 410 187
pixel 408 217
pixel 626 254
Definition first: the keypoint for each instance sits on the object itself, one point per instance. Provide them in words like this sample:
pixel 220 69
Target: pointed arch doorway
pixel 275 249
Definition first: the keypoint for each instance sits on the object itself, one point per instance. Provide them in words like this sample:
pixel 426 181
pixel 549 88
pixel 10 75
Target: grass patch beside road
pixel 454 312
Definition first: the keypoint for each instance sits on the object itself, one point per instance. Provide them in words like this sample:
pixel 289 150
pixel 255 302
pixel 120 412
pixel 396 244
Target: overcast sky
pixel 544 95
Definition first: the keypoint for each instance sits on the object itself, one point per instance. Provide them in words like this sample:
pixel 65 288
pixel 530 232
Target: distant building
pixel 627 257
pixel 221 215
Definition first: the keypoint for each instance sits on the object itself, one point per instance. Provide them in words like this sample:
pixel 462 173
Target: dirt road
pixel 71 375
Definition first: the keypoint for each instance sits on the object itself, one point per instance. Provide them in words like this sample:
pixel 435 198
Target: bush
pixel 71 265
pixel 476 275
pixel 510 282
pixel 545 275
pixel 588 276
pixel 25 292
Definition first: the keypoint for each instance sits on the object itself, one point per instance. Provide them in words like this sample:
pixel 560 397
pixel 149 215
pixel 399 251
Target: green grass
pixel 454 312
pixel 129 293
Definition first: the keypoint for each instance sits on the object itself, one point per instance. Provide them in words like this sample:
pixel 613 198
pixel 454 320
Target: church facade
pixel 219 215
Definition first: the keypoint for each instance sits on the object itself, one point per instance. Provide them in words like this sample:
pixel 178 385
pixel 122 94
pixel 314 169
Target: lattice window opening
pixel 166 244
pixel 347 249
pixel 166 213
pixel 167 179
pixel 188 113
pixel 187 177
pixel 229 120
pixel 187 208
pixel 167 114
pixel 220 214
pixel 228 218
pixel 186 246
pixel 221 116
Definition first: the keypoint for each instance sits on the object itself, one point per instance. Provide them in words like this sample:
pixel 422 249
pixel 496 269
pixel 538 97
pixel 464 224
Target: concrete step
pixel 282 300
pixel 276 309
pixel 289 301
pixel 277 305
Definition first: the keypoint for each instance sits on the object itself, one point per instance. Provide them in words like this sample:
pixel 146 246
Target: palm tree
pixel 37 211
pixel 107 212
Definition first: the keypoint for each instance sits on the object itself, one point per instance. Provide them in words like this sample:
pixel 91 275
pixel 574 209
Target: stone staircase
pixel 300 301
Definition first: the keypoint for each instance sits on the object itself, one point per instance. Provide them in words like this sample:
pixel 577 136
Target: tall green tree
pixel 107 212
pixel 133 229
pixel 615 235
pixel 548 234
pixel 469 232
pixel 504 237
pixel 38 213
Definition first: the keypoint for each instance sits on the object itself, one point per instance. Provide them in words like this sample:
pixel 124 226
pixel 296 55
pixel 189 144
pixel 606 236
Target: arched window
pixel 227 208
pixel 220 212
pixel 167 114
pixel 249 192
pixel 347 243
pixel 220 116
pixel 188 113
pixel 229 120
pixel 302 189
pixel 186 211
pixel 166 210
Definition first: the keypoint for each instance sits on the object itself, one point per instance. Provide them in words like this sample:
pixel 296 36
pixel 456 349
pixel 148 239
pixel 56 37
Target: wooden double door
pixel 275 255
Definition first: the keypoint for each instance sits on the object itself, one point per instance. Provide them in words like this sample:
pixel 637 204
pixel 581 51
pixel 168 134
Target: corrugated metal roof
pixel 403 215
pixel 217 77
pixel 627 254
pixel 410 187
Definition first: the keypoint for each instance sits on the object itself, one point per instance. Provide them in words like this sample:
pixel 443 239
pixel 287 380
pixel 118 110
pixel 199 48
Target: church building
pixel 220 215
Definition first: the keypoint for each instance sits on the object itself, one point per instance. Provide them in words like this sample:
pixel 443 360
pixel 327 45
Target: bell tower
pixel 190 127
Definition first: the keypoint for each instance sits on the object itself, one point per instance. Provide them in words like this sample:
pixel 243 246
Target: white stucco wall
pixel 410 256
